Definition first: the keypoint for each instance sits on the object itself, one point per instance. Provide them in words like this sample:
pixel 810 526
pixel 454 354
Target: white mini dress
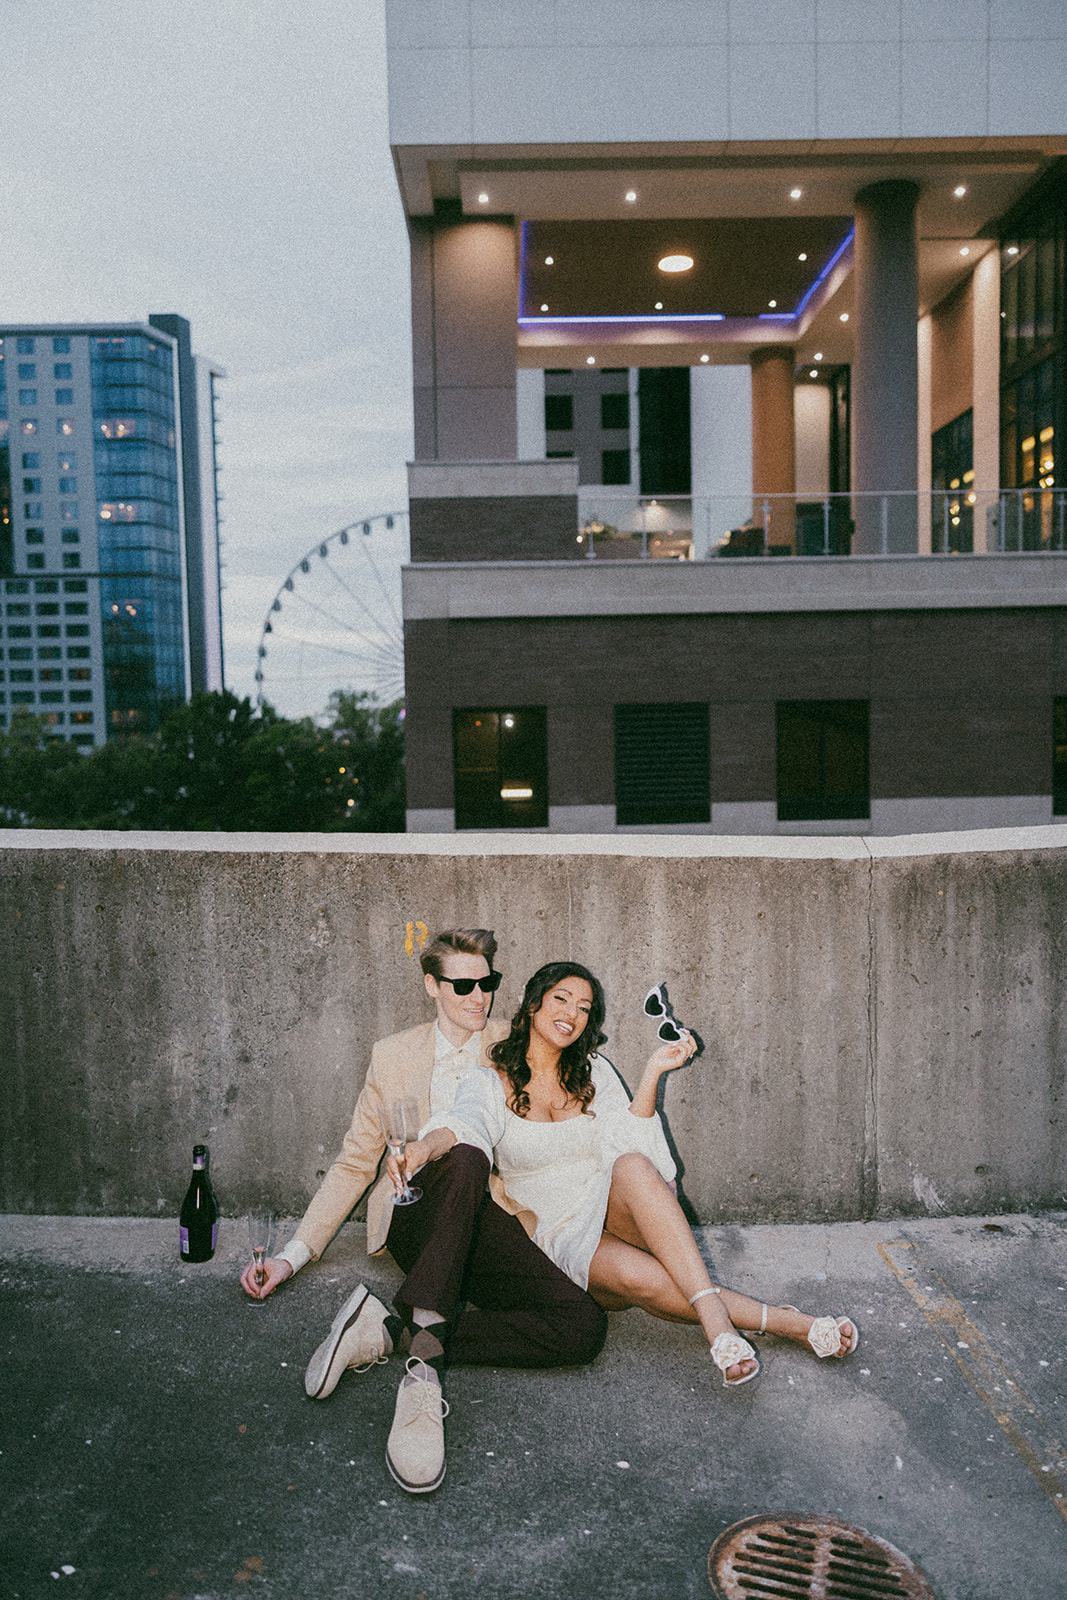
pixel 558 1171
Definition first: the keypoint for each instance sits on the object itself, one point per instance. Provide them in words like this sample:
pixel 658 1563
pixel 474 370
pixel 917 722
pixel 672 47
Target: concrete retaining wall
pixel 883 1018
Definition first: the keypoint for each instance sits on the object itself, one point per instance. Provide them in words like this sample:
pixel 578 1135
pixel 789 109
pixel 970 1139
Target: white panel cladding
pixel 530 413
pixel 473 71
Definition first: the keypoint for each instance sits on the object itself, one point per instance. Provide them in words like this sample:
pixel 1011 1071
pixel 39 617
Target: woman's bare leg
pixel 641 1206
pixel 626 1271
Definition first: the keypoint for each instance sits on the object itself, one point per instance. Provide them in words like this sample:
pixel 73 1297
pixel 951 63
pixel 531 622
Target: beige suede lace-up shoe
pixel 415 1454
pixel 357 1338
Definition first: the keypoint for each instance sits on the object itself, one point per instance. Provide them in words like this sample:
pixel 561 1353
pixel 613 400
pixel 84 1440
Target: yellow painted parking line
pixel 1030 1434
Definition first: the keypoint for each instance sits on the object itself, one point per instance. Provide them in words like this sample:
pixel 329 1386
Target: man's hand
pixel 419 1153
pixel 276 1271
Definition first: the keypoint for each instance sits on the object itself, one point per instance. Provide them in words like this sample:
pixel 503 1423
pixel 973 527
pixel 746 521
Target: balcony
pixel 617 525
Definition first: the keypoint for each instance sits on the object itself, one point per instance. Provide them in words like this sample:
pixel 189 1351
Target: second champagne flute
pixel 397 1118
pixel 260 1230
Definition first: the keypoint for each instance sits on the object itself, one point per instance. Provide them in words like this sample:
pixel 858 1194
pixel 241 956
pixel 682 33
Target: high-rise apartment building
pixel 109 539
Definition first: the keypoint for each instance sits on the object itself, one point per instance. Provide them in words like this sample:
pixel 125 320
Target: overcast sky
pixel 227 160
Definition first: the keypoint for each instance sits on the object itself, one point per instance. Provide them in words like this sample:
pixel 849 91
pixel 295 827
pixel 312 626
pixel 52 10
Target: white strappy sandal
pixel 824 1335
pixel 729 1349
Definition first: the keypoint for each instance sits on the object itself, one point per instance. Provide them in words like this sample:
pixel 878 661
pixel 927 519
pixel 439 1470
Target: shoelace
pixel 428 1400
pixel 378 1359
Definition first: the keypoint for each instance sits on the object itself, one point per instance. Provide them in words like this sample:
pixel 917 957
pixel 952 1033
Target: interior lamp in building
pixel 675 263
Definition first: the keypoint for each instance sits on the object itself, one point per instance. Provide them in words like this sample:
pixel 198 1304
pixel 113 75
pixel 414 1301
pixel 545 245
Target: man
pixel 455 1243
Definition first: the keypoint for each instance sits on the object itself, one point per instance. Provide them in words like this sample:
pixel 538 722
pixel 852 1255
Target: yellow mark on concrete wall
pixel 415 936
pixel 1030 1434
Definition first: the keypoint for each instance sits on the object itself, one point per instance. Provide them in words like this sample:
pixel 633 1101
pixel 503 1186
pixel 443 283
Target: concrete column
pixel 885 365
pixel 464 303
pixel 774 450
pixel 986 396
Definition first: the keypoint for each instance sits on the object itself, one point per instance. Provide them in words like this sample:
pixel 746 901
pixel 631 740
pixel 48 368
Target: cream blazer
pixel 401 1065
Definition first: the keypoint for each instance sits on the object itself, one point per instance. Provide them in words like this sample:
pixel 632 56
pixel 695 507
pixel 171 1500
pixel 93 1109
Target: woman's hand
pixel 670 1056
pixel 418 1153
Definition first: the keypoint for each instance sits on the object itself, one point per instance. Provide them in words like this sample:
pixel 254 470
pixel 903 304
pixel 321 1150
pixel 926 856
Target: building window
pixel 559 412
pixel 71 560
pixel 61 346
pixel 952 512
pixel 65 426
pixel 614 465
pixel 823 760
pixel 662 764
pixel 30 460
pixel 68 485
pixel 31 485
pixel 29 426
pixel 1059 757
pixel 27 370
pixel 27 397
pixel 35 562
pixel 501 767
pixel 663 425
pixel 64 397
pixel 81 716
pixel 614 411
pixel 62 369
pixel 78 652
pixel 24 347
pixel 35 536
pixel 67 461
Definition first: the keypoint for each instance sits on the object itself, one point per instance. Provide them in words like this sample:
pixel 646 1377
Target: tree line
pixel 215 763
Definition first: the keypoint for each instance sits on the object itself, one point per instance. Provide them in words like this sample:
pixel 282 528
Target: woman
pixel 589 1172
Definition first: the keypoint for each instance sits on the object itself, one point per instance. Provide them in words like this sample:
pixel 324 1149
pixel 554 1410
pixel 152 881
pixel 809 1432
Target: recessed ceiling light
pixel 659 305
pixel 960 190
pixel 772 304
pixel 705 358
pixel 818 355
pixel 844 316
pixel 631 196
pixel 803 256
pixel 483 199
pixel 1013 249
pixel 813 373
pixel 795 194
pixel 544 308
pixel 550 261
pixel 677 263
pixel 966 250
pixel 590 361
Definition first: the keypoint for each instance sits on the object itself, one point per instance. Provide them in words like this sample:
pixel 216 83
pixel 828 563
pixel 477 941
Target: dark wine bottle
pixel 198 1221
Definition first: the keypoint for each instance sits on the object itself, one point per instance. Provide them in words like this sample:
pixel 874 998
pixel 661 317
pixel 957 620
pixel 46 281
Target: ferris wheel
pixel 335 621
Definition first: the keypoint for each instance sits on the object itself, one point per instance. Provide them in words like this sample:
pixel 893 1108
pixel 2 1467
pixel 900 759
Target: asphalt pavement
pixel 157 1440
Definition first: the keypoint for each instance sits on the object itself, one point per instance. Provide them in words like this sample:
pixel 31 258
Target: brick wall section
pixel 491 528
pixel 960 700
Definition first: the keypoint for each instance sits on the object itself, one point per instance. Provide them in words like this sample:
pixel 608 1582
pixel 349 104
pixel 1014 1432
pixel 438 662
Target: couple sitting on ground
pixel 580 1213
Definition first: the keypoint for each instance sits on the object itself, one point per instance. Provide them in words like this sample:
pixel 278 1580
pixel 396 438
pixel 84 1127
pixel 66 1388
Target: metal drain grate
pixel 810 1558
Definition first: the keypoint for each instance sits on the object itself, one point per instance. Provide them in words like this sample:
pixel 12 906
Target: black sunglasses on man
pixel 488 985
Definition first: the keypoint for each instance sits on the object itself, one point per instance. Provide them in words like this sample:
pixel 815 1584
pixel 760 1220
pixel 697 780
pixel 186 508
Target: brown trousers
pixel 506 1304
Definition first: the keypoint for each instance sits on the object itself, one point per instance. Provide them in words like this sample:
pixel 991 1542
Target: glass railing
pixel 615 524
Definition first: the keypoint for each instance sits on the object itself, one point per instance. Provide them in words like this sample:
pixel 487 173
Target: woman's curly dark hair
pixel 574 1073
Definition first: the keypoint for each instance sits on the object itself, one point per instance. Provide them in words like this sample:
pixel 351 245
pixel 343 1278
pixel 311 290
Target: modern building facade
pixel 698 286
pixel 109 540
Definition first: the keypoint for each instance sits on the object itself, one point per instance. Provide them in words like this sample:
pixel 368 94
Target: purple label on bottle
pixel 214 1233
pixel 183 1238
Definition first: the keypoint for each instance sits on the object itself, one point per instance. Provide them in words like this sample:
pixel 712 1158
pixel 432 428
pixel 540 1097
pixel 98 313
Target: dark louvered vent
pixel 662 764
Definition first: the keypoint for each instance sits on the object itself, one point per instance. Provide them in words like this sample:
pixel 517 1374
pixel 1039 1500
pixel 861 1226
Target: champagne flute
pixel 397 1118
pixel 260 1229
